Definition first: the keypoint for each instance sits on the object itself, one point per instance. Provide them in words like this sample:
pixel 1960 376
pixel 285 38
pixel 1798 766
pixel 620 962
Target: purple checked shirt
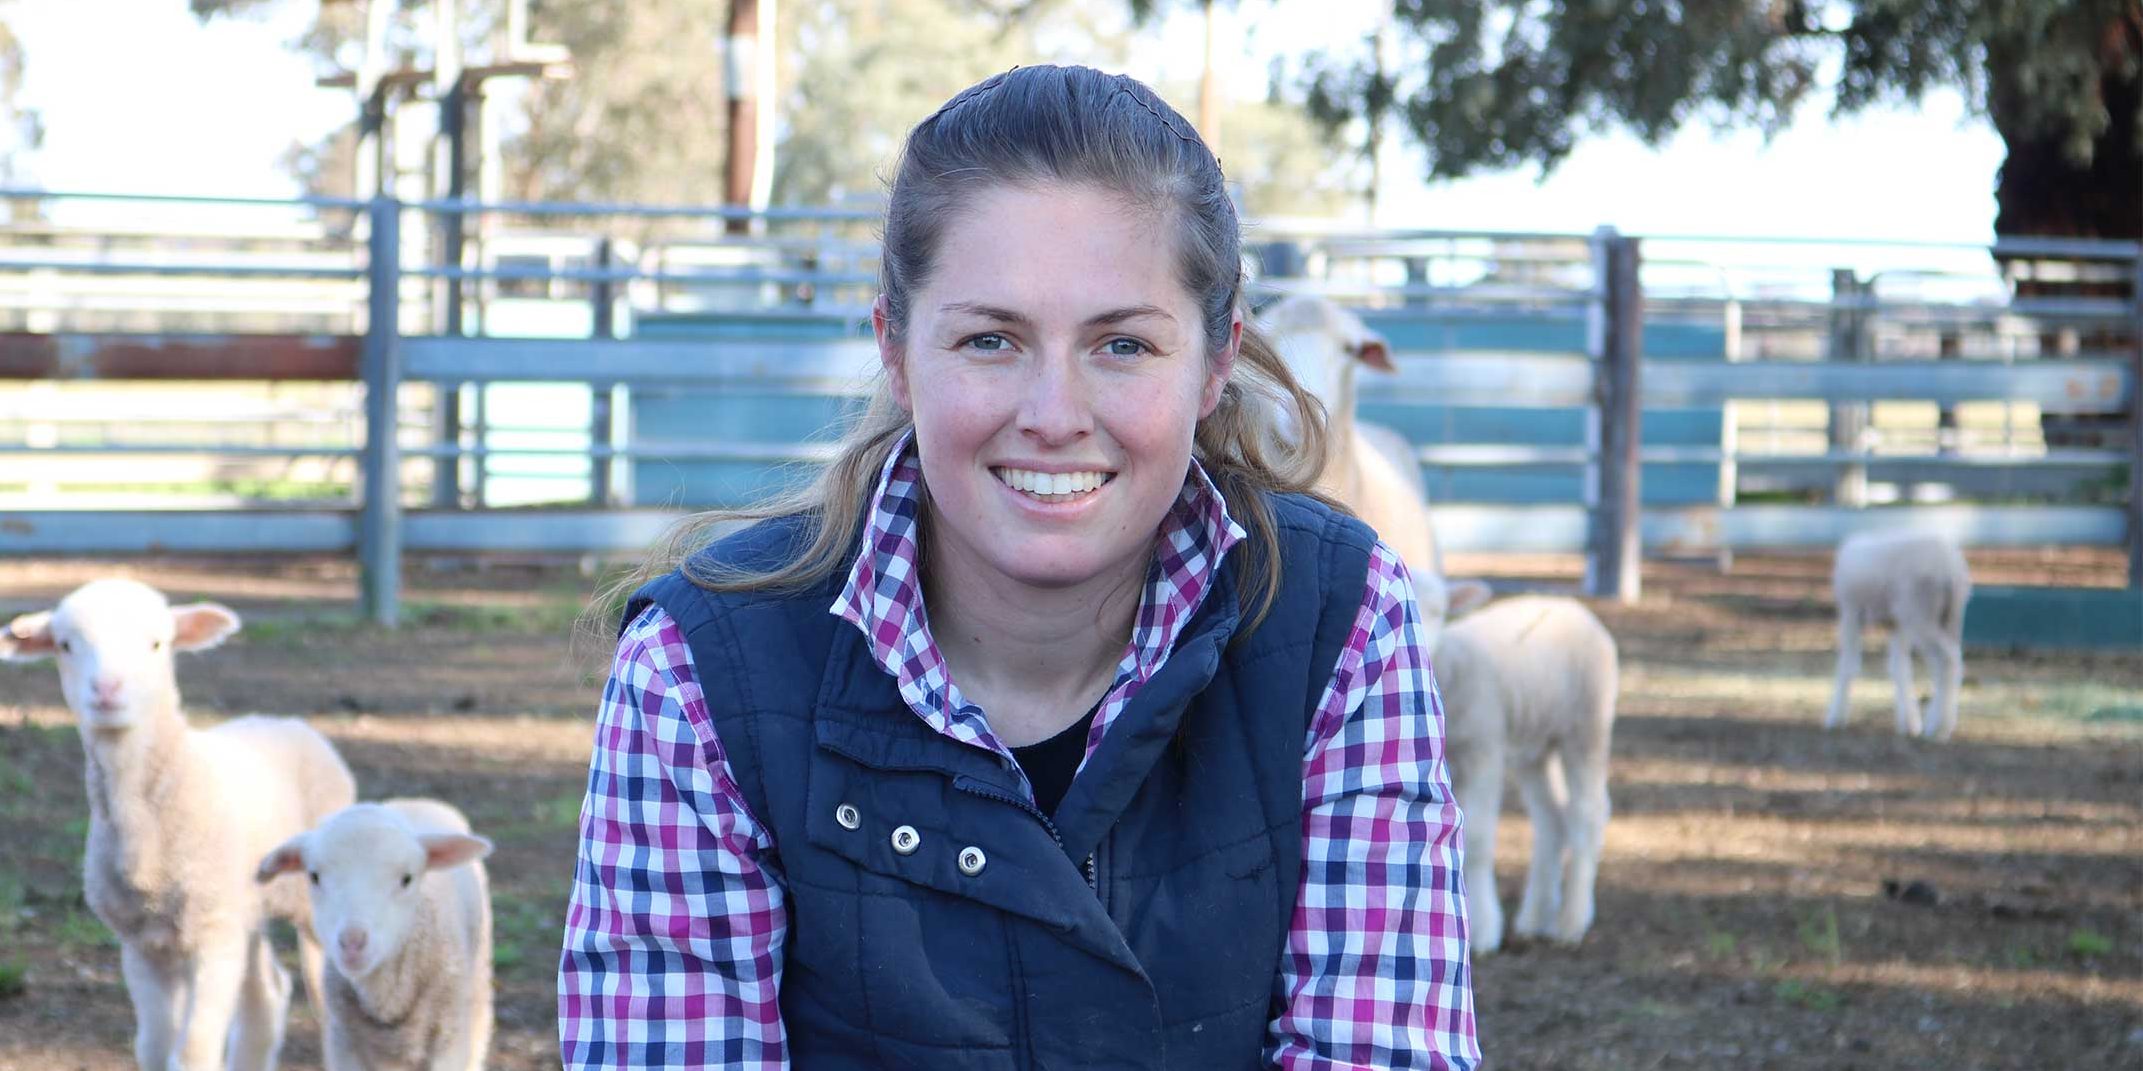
pixel 678 919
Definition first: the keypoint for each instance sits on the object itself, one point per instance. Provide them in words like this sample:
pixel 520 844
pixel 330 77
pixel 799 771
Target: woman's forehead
pixel 1056 251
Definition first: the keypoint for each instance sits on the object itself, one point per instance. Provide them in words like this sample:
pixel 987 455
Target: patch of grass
pixel 1720 945
pixel 14 896
pixel 2020 956
pixel 2083 701
pixel 1818 931
pixel 1815 998
pixel 14 977
pixel 561 811
pixel 2088 942
pixel 84 930
pixel 551 616
pixel 525 928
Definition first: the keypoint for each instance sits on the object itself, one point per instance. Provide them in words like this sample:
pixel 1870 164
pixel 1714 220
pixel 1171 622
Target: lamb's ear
pixel 200 625
pixel 288 859
pixel 1375 352
pixel 28 637
pixel 1468 596
pixel 442 850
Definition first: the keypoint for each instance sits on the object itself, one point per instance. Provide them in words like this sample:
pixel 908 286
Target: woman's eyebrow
pixel 1103 319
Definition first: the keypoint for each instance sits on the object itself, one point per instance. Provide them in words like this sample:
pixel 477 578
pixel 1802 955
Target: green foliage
pixel 1496 83
pixel 1815 998
pixel 2088 942
pixel 861 78
pixel 82 929
pixel 14 977
pixel 1819 934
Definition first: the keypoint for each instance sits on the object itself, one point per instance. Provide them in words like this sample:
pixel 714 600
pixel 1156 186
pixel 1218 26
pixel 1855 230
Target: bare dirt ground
pixel 1743 916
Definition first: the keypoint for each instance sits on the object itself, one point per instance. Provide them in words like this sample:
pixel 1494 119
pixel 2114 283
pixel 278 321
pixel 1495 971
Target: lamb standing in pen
pixel 399 893
pixel 1528 685
pixel 1918 584
pixel 177 818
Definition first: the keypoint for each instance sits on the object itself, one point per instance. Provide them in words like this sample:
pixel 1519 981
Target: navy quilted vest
pixel 1142 929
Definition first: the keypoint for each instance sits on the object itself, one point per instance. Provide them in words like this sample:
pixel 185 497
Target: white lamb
pixel 1528 685
pixel 1370 468
pixel 177 818
pixel 399 893
pixel 1916 583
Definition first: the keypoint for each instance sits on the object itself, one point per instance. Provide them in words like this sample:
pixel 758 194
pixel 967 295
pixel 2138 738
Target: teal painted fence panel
pixel 2092 618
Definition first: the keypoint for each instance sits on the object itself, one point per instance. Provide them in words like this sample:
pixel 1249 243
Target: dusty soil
pixel 1743 918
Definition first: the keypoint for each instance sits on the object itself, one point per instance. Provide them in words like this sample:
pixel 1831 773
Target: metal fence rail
pixel 1584 313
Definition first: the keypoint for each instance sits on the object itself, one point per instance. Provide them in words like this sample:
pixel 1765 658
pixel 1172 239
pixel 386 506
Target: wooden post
pixel 379 531
pixel 600 440
pixel 1614 566
pixel 740 52
pixel 446 418
pixel 1849 317
pixel 2135 426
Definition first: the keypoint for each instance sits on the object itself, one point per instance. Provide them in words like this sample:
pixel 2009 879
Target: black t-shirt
pixel 1051 763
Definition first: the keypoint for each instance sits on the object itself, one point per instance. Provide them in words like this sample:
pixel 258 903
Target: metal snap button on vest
pixel 972 860
pixel 906 840
pixel 848 816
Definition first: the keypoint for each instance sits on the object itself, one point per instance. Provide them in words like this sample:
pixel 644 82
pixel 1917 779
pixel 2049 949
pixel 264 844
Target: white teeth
pixel 1051 484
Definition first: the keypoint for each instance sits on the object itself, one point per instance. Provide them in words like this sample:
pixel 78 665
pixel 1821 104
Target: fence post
pixel 379 531
pixel 1615 429
pixel 2135 426
pixel 1849 317
pixel 600 439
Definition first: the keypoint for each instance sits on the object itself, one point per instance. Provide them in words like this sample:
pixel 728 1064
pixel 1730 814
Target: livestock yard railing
pixel 382 378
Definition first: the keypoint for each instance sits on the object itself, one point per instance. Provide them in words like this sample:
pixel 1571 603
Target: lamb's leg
pixel 1848 666
pixel 1908 701
pixel 1547 799
pixel 263 1005
pixel 218 974
pixel 1945 663
pixel 312 966
pixel 157 1005
pixel 1585 827
pixel 1477 782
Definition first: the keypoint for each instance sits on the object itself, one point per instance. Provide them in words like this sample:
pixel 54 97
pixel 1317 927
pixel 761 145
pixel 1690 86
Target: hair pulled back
pixel 1034 126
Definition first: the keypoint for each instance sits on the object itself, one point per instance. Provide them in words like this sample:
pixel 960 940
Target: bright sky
pixel 137 96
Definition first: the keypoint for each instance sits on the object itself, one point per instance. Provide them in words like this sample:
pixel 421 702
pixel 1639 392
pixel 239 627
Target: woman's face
pixel 1056 370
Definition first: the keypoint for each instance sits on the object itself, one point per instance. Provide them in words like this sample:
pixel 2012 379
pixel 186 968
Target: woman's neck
pixel 1033 658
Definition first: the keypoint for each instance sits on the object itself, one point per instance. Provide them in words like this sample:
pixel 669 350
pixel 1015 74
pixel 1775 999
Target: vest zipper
pixel 977 789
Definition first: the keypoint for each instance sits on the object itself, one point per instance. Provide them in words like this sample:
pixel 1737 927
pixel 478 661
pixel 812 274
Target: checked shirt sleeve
pixel 1375 974
pixel 675 930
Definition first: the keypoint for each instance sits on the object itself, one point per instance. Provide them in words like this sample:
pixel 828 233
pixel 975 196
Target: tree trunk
pixel 2042 192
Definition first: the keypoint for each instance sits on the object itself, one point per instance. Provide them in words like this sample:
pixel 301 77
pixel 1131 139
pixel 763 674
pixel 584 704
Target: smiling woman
pixel 1058 724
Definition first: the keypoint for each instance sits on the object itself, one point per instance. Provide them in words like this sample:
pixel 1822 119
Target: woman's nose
pixel 1056 407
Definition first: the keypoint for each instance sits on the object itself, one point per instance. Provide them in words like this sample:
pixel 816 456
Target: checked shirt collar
pixel 884 598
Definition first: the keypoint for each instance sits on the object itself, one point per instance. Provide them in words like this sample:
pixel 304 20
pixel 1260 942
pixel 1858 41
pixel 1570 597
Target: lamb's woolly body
pixel 1918 584
pixel 1528 685
pixel 427 1007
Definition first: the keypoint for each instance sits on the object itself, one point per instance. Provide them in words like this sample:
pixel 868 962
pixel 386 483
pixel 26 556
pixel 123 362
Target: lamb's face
pixel 366 870
pixel 1321 344
pixel 113 640
pixel 366 867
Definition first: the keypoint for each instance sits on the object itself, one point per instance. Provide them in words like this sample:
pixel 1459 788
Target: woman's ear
pixel 1221 367
pixel 890 355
